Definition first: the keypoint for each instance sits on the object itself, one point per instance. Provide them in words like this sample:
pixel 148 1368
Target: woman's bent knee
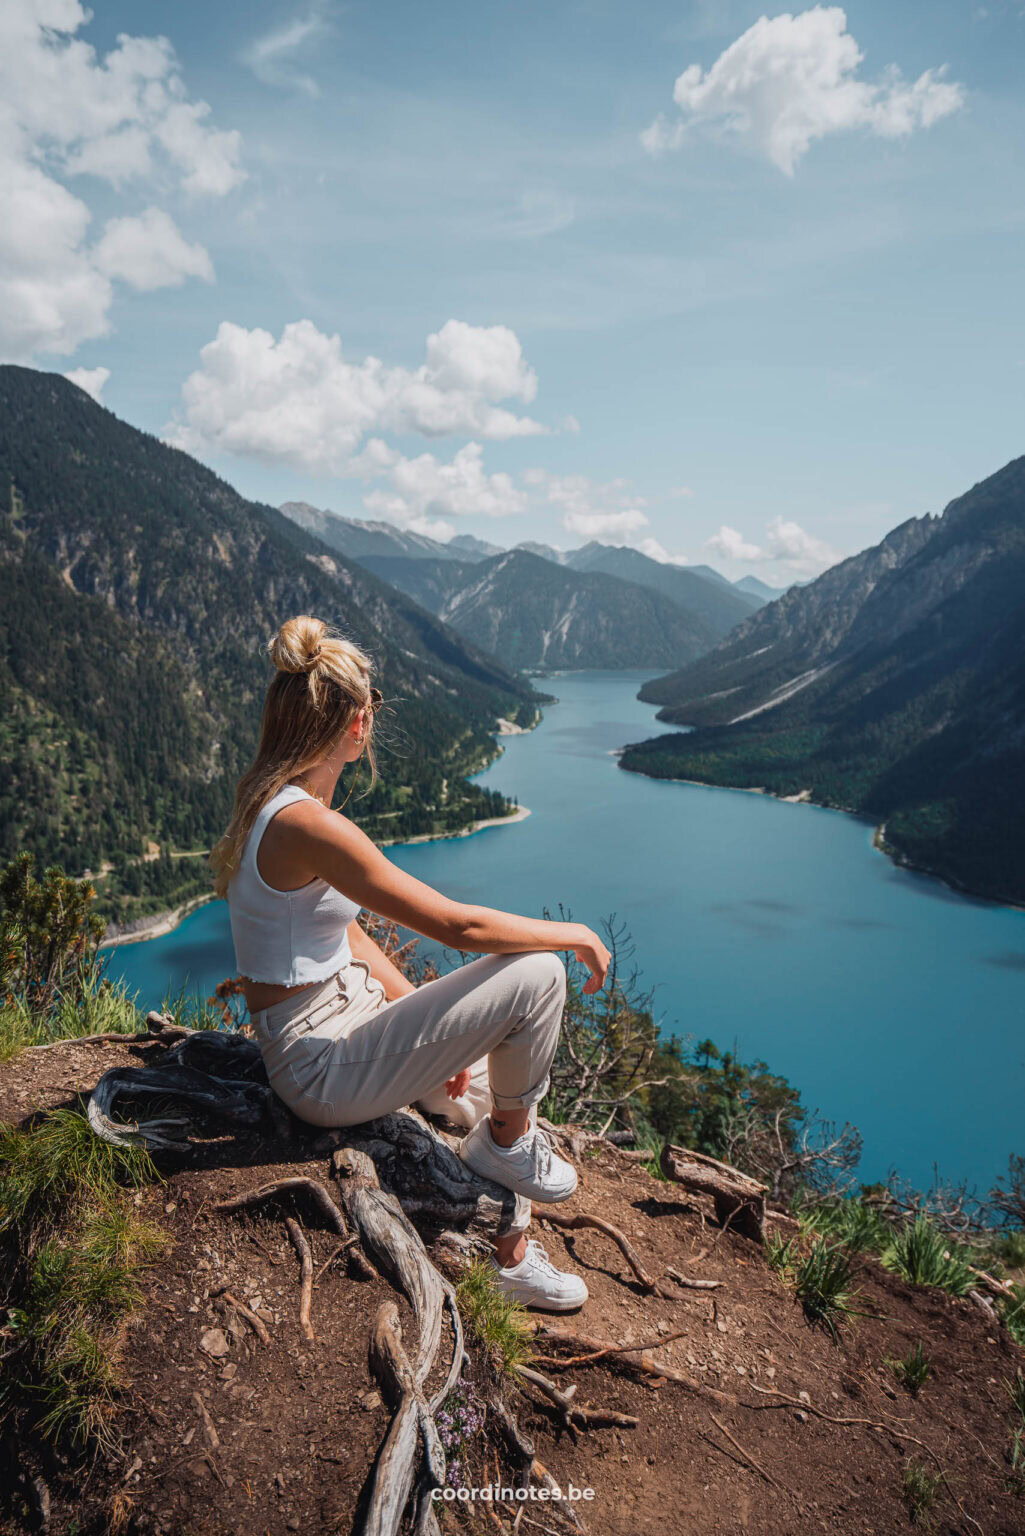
pixel 544 970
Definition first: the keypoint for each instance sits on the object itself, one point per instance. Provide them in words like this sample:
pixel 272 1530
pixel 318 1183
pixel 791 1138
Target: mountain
pixel 137 595
pixel 717 604
pixel 465 547
pixel 894 686
pixel 354 538
pixel 539 615
pixel 546 551
pixel 759 589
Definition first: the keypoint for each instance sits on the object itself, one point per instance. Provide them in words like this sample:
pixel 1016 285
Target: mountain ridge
pixel 893 686
pixel 168 584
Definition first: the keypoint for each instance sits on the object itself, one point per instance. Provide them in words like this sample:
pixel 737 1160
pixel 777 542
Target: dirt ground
pixel 223 1435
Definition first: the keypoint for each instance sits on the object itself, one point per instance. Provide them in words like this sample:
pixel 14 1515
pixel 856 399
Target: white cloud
pixel 791 79
pixel 66 112
pixel 680 492
pixel 728 544
pixel 657 551
pixel 787 546
pixel 91 380
pixel 593 509
pixel 299 401
pixel 424 489
pixel 272 56
pixel 148 251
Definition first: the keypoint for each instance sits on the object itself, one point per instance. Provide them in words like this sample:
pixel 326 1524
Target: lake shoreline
pixel 805 797
pixel 156 926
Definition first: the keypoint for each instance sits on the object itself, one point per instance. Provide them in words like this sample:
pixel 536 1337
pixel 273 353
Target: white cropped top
pixel 286 937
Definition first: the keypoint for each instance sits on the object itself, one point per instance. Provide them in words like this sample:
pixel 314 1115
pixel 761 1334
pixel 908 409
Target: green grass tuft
pixel 853 1223
pixel 781 1254
pixel 78 1246
pixel 913 1371
pixel 43 1169
pixel 496 1322
pixel 922 1255
pixel 920 1487
pixel 1009 1248
pixel 822 1283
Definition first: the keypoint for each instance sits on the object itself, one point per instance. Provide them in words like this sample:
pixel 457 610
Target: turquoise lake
pixel 776 929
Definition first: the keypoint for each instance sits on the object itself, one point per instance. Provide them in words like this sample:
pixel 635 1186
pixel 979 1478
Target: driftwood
pixel 588 1418
pixel 739 1200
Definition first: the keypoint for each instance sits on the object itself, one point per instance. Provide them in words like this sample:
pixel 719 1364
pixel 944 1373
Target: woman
pixel 345 1036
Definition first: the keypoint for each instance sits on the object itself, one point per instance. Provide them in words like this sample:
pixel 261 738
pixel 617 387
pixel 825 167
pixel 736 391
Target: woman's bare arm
pixel 340 853
pixel 381 968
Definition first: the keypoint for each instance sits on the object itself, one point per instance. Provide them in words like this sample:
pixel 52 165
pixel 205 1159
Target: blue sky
pixel 760 335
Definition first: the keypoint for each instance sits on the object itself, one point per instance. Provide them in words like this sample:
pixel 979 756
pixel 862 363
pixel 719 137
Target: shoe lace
pixel 541 1259
pixel 542 1151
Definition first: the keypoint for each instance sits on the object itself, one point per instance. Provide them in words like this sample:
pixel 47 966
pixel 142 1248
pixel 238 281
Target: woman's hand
pixel 457 1086
pixel 590 951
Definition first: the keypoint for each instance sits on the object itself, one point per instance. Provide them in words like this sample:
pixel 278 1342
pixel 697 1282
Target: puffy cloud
pixel 272 56
pixel 299 401
pixel 729 544
pixel 590 508
pixel 610 527
pixel 657 551
pixel 65 112
pixel 424 489
pixel 148 251
pixel 791 79
pixel 91 380
pixel 787 545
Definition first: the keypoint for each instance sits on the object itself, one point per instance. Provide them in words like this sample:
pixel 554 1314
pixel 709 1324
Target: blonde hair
pixel 321 684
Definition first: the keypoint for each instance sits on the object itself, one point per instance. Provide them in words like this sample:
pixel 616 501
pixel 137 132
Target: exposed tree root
pixel 412 1425
pixel 690 1284
pixel 750 1460
pixel 587 1418
pixel 882 1425
pixel 634 1358
pixel 302 1248
pixel 564 1361
pixel 580 1222
pixel 312 1187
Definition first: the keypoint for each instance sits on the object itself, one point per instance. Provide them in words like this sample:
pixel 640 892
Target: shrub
pixel 48 934
pixel 922 1255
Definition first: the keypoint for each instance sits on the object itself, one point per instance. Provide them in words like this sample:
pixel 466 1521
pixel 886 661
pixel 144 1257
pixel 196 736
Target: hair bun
pixel 297 645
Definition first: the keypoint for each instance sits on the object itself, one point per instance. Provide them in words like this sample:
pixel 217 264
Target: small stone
pixel 770 1371
pixel 804 1397
pixel 214 1342
pixel 294 1524
pixel 801 1416
pixel 170 1208
pixel 370 1401
pixel 228 1372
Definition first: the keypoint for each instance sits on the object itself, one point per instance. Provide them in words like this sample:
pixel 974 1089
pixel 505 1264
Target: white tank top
pixel 286 937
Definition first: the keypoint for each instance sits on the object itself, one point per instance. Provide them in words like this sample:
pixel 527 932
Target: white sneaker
pixel 535 1282
pixel 529 1167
